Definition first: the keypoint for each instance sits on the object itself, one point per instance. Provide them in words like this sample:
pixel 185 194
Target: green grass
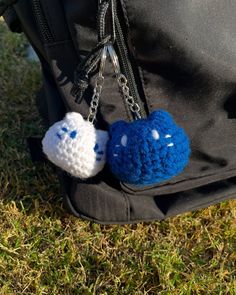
pixel 43 250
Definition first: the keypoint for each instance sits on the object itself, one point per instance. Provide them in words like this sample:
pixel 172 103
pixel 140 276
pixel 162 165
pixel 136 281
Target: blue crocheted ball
pixel 147 151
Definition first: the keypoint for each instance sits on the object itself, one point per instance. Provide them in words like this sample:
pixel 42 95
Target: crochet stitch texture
pixel 74 145
pixel 147 151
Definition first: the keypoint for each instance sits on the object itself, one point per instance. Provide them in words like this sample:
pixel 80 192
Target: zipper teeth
pixel 42 22
pixel 126 65
pixel 101 19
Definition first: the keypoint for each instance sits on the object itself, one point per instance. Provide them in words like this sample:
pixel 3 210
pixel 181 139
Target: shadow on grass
pixel 32 186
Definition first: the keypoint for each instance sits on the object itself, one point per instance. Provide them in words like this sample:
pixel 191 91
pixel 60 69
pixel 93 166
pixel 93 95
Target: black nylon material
pixel 5 4
pixel 186 58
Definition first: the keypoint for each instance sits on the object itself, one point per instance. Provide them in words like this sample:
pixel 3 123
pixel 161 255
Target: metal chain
pixel 121 80
pixel 95 98
pixel 99 81
pixel 134 107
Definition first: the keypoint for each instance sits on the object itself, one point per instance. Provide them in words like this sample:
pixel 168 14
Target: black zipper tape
pixel 41 22
pixel 128 68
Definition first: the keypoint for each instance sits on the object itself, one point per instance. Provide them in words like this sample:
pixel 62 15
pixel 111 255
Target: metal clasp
pixel 114 59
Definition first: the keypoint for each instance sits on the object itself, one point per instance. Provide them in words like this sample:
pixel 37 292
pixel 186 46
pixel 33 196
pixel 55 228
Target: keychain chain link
pixel 95 98
pixel 99 81
pixel 134 107
pixel 121 80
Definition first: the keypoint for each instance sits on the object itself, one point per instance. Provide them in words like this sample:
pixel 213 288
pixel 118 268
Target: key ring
pixel 114 59
pixel 121 80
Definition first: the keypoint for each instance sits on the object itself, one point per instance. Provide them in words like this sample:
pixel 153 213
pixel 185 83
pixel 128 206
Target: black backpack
pixel 177 56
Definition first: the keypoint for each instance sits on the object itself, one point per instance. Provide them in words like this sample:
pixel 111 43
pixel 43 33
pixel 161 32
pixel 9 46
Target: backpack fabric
pixel 183 59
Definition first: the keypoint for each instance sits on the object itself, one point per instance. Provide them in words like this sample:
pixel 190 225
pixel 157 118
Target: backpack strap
pixel 35 148
pixel 4 4
pixel 11 18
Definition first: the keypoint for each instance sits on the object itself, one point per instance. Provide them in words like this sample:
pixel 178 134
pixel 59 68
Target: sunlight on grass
pixel 43 250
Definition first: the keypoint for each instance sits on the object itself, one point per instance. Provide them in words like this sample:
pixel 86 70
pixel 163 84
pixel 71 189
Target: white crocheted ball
pixel 74 145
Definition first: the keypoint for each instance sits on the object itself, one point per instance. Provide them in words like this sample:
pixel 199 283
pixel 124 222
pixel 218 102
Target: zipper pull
pixel 90 63
pixel 81 82
pixel 85 69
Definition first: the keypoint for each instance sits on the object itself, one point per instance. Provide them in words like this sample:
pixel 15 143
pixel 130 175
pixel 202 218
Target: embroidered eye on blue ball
pixel 147 151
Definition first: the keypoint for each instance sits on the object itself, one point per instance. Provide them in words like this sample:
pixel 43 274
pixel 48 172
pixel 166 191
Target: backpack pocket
pixel 184 72
pixel 104 202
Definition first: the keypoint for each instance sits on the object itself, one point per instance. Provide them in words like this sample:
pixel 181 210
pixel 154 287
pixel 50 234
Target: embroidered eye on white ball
pixel 74 145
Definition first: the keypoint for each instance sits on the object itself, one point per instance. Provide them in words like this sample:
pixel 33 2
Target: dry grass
pixel 45 251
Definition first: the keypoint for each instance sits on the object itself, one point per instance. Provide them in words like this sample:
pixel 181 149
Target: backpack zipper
pixel 125 63
pixel 41 22
pixel 123 52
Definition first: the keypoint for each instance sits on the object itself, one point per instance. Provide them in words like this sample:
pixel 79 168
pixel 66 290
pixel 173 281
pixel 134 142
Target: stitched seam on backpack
pixel 127 205
pixel 124 6
pixel 179 182
pixel 128 25
pixel 205 204
pixel 145 88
